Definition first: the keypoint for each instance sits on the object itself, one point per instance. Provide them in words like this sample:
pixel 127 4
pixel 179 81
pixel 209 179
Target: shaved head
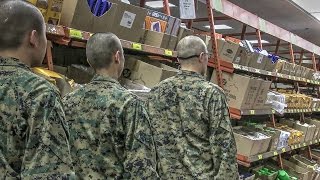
pixel 100 49
pixel 190 46
pixel 17 19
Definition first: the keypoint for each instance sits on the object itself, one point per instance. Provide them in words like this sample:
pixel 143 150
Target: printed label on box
pixel 260 59
pixel 127 19
pixel 187 9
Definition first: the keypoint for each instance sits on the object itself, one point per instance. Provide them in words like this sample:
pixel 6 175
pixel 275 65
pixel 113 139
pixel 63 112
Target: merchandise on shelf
pixel 244 92
pixel 317 124
pixel 124 20
pixel 265 172
pixel 295 135
pixel 301 172
pixel 50 9
pixel 277 101
pixel 250 142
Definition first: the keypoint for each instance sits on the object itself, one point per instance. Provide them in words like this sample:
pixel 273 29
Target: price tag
pixel 283 150
pixel 275 153
pixel 136 46
pixel 311 142
pixel 273 111
pixel 292 147
pixel 257 70
pixel 316 141
pixel 318 109
pixel 289 77
pixel 269 73
pixel 168 52
pixel 252 112
pixel 299 145
pixel 304 144
pixel 245 68
pixel 280 75
pixel 236 66
pixel 294 78
pixel 260 157
pixel 75 34
pixel 308 81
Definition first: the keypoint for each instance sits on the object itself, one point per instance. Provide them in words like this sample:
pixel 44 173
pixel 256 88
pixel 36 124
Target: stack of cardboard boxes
pixel 244 92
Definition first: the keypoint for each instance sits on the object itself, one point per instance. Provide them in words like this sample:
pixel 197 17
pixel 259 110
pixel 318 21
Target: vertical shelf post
pixel 243 33
pixel 166 7
pixel 277 46
pixel 259 38
pixel 214 43
pixel 48 57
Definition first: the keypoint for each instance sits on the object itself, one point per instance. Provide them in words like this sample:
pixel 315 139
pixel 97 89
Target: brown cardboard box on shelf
pixel 230 51
pixel 286 68
pixel 183 32
pixel 298 71
pixel 248 144
pixel 310 74
pixel 169 42
pixel 270 66
pixel 293 69
pixel 296 170
pixel 279 66
pixel 309 165
pixel 146 74
pixel 317 124
pixel 241 91
pixel 304 72
pixel 260 100
pixel 243 59
pixel 257 60
pixel 154 38
pixel 80 74
pixel 124 20
pixel 172 42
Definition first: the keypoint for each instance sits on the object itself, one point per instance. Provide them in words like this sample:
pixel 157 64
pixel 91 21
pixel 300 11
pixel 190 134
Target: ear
pixel 202 57
pixel 117 58
pixel 34 38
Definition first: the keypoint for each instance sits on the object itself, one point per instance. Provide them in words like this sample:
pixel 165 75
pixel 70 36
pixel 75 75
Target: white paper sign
pixel 187 9
pixel 127 19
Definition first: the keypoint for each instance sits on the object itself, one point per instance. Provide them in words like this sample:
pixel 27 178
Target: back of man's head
pixel 17 19
pixel 190 46
pixel 101 48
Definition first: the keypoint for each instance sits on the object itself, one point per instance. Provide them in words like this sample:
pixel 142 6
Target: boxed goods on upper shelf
pixel 307 130
pixel 244 92
pixel 125 20
pixel 317 124
pixel 295 135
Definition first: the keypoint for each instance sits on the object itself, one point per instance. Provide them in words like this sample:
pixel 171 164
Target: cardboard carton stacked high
pixel 308 130
pixel 244 92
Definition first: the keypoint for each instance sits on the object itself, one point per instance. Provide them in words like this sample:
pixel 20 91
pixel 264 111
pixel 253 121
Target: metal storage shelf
pixel 244 160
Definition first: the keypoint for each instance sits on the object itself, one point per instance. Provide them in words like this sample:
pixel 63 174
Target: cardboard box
pixel 279 66
pixel 296 170
pixel 80 74
pixel 168 42
pixel 261 98
pixel 286 68
pixel 317 124
pixel 230 51
pixel 124 20
pixel 141 91
pixel 270 66
pixel 303 162
pixel 146 74
pixel 248 144
pixel 173 26
pixel 183 32
pixel 243 59
pixel 257 60
pixel 154 38
pixel 298 71
pixel 241 91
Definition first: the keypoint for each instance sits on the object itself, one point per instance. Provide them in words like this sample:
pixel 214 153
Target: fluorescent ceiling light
pixel 220 26
pixel 256 41
pixel 157 4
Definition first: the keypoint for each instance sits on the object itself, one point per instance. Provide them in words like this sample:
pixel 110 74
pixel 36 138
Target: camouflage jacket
pixel 110 132
pixel 192 129
pixel 33 132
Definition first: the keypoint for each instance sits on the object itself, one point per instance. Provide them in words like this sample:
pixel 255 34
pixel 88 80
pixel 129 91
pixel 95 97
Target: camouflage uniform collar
pixel 10 61
pixel 104 78
pixel 190 73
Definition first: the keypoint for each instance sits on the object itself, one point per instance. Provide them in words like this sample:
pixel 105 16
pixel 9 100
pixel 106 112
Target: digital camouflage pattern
pixel 110 132
pixel 192 129
pixel 33 131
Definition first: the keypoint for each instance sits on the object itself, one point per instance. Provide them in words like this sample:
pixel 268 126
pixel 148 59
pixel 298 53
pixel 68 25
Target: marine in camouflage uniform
pixel 110 129
pixel 190 120
pixel 33 131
